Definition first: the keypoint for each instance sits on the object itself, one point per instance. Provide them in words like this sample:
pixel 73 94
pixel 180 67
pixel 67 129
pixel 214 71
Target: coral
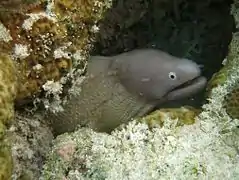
pixel 5 160
pixel 47 39
pixel 7 95
pixel 31 141
pixel 231 103
pixel 44 42
pixel 8 84
pixel 188 152
pixel 183 115
pixel 231 63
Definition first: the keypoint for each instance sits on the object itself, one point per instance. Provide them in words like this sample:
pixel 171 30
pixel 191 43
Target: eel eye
pixel 172 75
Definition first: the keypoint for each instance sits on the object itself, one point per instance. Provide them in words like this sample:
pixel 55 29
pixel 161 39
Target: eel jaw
pixel 187 89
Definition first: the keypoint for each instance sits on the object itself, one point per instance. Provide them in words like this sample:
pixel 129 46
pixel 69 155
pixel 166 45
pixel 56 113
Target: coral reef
pixel 197 151
pixel 47 39
pixel 47 42
pixel 230 102
pixel 7 95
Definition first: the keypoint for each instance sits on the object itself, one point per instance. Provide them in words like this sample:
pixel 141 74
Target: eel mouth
pixel 188 88
pixel 187 83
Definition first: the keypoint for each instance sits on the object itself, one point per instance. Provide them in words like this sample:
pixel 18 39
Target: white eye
pixel 172 75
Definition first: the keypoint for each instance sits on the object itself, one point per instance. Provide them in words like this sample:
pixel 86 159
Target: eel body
pixel 129 85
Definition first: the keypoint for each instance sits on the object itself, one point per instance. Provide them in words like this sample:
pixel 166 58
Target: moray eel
pixel 125 86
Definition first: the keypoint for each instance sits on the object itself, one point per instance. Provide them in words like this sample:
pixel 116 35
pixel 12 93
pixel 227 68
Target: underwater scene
pixel 119 89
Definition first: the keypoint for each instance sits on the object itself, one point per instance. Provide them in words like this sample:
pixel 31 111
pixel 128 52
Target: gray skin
pixel 126 86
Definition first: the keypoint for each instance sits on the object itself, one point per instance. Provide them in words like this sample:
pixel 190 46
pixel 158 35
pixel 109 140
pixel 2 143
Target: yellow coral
pixel 231 100
pixel 7 88
pixel 5 160
pixel 7 95
pixel 218 78
pixel 231 103
pixel 45 38
pixel 183 115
